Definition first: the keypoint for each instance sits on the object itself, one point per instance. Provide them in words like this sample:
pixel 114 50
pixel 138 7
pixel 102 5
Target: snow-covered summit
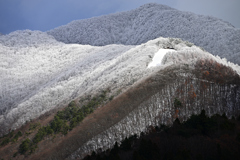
pixel 151 21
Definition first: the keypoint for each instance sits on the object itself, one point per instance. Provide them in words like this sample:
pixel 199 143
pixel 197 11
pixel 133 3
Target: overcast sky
pixel 47 14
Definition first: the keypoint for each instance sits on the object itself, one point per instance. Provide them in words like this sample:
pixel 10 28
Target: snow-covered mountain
pixel 125 54
pixel 151 21
pixel 39 73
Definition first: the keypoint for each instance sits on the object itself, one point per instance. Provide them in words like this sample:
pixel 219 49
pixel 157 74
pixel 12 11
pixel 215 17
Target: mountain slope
pixel 197 84
pixel 149 81
pixel 151 21
pixel 40 74
pixel 198 79
pixel 153 102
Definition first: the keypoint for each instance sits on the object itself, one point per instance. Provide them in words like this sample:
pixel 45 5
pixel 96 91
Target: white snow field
pixel 157 59
pixel 151 21
pixel 39 73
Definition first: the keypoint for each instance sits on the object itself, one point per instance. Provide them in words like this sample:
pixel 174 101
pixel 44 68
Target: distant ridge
pixel 151 21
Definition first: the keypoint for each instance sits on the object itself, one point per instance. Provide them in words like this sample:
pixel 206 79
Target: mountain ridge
pixel 151 21
pixel 41 75
pixel 195 89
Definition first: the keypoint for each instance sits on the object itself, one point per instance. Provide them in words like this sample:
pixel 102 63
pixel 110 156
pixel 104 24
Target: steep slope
pixel 214 137
pixel 197 85
pixel 39 73
pixel 151 21
pixel 196 78
pixel 151 81
pixel 154 101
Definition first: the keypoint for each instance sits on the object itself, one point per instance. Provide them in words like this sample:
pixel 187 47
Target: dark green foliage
pixel 11 134
pixel 73 122
pixel 34 126
pixel 163 127
pixel 136 156
pixel 177 103
pixel 182 155
pixel 5 141
pixel 238 137
pixel 126 144
pixel 148 150
pixel 15 138
pixel 115 149
pixel 49 130
pixel 19 134
pixel 60 114
pixel 65 128
pixel 227 125
pixel 33 148
pixel 184 133
pixel 204 138
pixel 224 116
pixel 93 154
pixel 63 122
pixel 201 122
pixel 238 118
pixel 74 114
pixel 40 135
pixel 15 154
pixel 177 122
pixel 25 146
pixel 111 98
pixel 10 138
pixel 57 124
pixel 72 104
pixel 6 138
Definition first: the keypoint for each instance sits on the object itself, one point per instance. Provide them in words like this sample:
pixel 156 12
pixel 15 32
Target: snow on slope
pixel 39 73
pixel 151 21
pixel 157 59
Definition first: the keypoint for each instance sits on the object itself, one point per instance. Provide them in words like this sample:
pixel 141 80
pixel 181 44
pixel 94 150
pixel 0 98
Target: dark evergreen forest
pixel 198 138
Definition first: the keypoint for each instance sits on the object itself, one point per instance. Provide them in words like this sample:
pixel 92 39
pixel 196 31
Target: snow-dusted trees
pixel 151 21
pixel 178 91
pixel 38 73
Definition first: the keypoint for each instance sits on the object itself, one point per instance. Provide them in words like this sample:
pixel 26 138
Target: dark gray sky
pixel 47 14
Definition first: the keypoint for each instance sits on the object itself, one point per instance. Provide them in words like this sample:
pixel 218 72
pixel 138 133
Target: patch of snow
pixel 157 59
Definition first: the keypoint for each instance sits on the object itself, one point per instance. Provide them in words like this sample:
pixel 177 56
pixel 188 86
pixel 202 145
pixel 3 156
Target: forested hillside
pixel 88 85
pixel 151 21
pixel 200 137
